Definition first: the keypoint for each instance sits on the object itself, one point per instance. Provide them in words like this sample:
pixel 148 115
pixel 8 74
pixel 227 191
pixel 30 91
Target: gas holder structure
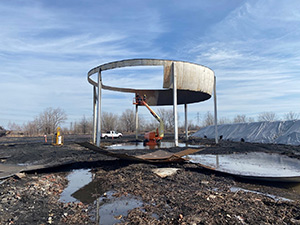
pixel 183 83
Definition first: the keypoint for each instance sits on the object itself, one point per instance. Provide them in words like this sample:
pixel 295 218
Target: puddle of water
pixel 254 164
pixel 276 198
pixel 82 188
pixel 140 145
pixel 112 210
pixel 93 190
pixel 77 179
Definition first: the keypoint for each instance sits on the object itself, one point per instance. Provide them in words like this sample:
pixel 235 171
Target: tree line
pixel 263 116
pixel 45 123
pixel 48 121
pixel 123 123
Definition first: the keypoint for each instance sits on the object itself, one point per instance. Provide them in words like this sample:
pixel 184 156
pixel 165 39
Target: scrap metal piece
pixel 253 165
pixel 8 170
pixel 157 156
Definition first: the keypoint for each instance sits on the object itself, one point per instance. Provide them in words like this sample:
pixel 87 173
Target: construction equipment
pixel 57 138
pixel 152 137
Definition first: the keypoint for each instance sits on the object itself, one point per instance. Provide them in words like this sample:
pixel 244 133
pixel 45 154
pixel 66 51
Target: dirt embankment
pixel 191 196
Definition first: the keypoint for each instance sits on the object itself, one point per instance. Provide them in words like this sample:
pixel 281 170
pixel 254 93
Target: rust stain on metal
pixel 194 81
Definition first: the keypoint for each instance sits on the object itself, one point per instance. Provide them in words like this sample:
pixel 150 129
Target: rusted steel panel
pixel 168 71
pixel 188 152
pixel 190 77
pixel 155 157
pixel 194 82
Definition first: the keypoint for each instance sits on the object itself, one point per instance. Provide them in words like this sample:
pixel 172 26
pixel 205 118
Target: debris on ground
pixel 191 195
pixel 34 199
pixel 164 172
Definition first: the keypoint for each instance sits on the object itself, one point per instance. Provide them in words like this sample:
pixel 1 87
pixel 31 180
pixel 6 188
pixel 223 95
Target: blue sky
pixel 47 48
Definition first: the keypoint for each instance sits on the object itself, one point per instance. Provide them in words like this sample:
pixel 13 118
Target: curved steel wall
pixel 194 82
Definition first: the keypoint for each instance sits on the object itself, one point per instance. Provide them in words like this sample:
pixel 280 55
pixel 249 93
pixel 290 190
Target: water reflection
pixel 256 164
pixel 77 179
pixel 140 145
pixel 111 210
pixel 93 190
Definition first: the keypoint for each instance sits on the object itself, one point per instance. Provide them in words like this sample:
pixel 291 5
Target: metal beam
pixel 186 122
pixel 136 122
pixel 175 105
pixel 94 114
pixel 215 109
pixel 194 81
pixel 99 110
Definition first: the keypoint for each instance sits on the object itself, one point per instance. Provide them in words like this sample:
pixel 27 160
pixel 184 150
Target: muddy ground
pixel 193 195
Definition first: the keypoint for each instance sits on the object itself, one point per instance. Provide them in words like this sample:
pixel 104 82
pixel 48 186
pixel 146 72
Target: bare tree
pixel 224 120
pixel 240 119
pixel 76 128
pixel 14 127
pixel 85 125
pixel 168 117
pixel 50 119
pixel 152 124
pixel 31 128
pixel 208 119
pixel 291 116
pixel 142 124
pixel 192 125
pixel 251 119
pixel 109 121
pixel 127 120
pixel 267 116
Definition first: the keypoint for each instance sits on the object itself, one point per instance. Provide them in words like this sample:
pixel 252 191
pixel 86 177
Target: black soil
pixel 191 196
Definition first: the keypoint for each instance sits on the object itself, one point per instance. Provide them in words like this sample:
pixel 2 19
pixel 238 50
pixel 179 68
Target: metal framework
pixel 184 83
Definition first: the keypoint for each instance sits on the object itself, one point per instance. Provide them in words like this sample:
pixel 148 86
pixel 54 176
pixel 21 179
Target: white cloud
pixel 47 48
pixel 255 53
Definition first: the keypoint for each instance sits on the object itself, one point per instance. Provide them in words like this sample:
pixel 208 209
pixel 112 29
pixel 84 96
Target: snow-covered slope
pixel 278 132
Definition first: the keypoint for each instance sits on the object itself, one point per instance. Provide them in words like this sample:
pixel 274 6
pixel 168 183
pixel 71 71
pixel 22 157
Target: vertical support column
pixel 98 211
pixel 175 105
pixel 186 122
pixel 217 162
pixel 215 109
pixel 99 109
pixel 136 122
pixel 94 114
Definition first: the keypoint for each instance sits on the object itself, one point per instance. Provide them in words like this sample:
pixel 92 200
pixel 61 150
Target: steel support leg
pixel 136 122
pixel 215 109
pixel 186 122
pixel 99 110
pixel 175 105
pixel 94 114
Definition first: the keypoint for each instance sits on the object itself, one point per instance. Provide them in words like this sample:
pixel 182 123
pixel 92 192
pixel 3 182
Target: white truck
pixel 111 134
